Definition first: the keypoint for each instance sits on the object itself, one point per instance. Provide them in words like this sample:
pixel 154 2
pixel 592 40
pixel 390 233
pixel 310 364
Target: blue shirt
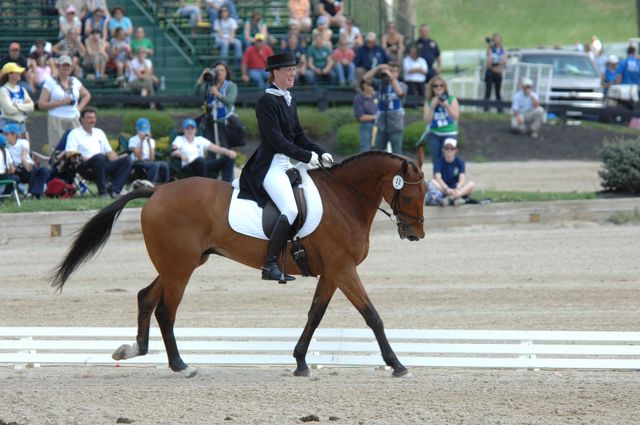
pixel 450 171
pixel 369 58
pixel 629 68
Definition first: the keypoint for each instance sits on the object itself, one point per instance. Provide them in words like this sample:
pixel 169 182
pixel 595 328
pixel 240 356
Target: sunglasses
pixel 450 149
pixel 437 85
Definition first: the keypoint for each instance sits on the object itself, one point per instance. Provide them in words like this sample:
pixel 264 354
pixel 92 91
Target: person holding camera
pixel 496 61
pixel 143 153
pixel 441 112
pixel 390 116
pixel 63 97
pixel 219 102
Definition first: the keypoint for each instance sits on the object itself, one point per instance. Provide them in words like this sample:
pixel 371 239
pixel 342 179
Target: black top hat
pixel 281 60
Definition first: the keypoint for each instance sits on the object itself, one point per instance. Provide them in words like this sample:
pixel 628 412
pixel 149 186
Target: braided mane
pixel 367 154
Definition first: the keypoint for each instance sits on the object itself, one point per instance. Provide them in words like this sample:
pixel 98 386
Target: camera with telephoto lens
pixel 443 97
pixel 488 41
pixel 209 75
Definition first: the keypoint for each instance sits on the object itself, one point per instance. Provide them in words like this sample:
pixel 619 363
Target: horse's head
pixel 405 192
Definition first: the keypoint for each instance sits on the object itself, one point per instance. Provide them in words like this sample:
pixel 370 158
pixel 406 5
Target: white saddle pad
pixel 245 216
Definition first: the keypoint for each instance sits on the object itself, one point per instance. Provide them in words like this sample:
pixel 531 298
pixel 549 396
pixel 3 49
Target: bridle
pixel 395 207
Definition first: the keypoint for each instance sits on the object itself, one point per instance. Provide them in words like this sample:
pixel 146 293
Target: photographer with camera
pixel 496 61
pixel 441 112
pixel 219 102
pixel 390 116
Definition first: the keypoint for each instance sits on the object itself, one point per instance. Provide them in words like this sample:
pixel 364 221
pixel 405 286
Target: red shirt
pixel 348 55
pixel 256 59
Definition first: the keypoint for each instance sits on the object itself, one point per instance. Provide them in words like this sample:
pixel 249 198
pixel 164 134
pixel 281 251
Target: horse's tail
pixel 93 236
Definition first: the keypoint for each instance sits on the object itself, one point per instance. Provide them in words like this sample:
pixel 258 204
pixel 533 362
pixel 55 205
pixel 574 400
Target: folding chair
pixel 14 190
pixel 68 169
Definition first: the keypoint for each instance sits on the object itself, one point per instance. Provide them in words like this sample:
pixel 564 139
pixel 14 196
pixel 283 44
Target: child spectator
pixel 449 185
pixel 25 168
pixel 7 168
pixel 365 109
pixel 300 14
pixel 119 53
pixel 343 57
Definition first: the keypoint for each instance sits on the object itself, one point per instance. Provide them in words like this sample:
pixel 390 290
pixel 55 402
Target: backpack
pixel 58 188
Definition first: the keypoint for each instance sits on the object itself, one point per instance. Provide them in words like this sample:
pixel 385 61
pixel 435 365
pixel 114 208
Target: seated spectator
pixel 319 62
pixel 322 28
pixel 415 72
pixel 224 29
pixel 365 109
pixel 108 170
pixel 254 62
pixel 608 77
pixel 141 75
pixel 97 55
pixel 393 43
pixel 62 5
pixel 90 6
pixel 97 20
pixel 449 185
pixel 119 53
pixel 343 57
pixel 253 26
pixel 213 9
pixel 332 9
pixel 527 112
pixel 300 14
pixel 41 62
pixel 25 168
pixel 7 169
pixel 143 153
pixel 191 149
pixel 69 22
pixel 26 80
pixel 139 40
pixel 191 9
pixel 71 46
pixel 119 20
pixel 352 32
pixel 369 55
pixel 628 71
pixel 293 46
pixel 15 102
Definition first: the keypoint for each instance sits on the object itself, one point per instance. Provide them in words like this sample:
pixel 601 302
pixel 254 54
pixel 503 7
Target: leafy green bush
pixel 248 118
pixel 339 116
pixel 412 133
pixel 621 162
pixel 316 124
pixel 348 142
pixel 161 122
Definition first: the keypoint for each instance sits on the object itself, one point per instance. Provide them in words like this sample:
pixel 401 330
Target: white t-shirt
pixel 87 144
pixel 414 77
pixel 5 162
pixel 135 65
pixel 58 92
pixel 226 25
pixel 16 151
pixel 355 32
pixel 146 144
pixel 191 150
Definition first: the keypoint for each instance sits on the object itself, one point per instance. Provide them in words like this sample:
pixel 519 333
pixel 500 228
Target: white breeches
pixel 277 185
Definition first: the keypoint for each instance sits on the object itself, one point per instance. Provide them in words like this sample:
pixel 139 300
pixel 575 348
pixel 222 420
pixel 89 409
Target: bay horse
pixel 185 221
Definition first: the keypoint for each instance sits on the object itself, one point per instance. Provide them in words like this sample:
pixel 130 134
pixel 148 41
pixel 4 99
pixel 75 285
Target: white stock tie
pixel 279 92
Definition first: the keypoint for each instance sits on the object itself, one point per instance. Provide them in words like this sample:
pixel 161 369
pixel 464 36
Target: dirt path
pixel 569 277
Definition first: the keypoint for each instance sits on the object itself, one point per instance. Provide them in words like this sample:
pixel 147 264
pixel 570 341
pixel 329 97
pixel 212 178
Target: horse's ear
pixel 420 155
pixel 404 167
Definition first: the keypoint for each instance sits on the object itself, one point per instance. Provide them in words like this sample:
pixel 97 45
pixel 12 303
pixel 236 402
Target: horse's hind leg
pixel 324 293
pixel 147 301
pixel 355 292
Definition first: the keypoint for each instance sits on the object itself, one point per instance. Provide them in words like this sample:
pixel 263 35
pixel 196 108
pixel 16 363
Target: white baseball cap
pixel 450 141
pixel 527 82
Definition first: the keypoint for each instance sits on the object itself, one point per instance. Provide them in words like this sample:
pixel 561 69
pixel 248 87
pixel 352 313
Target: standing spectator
pixel 429 50
pixel 72 47
pixel 191 9
pixel 26 80
pixel 25 168
pixel 300 14
pixel 69 21
pixel 253 26
pixel 219 102
pixel 365 110
pixel 108 170
pixel 254 62
pixel 293 46
pixel 143 153
pixel 628 71
pixel 496 61
pixel 369 55
pixel 415 71
pixel 15 102
pixel 322 28
pixel 441 113
pixel 97 55
pixel 119 53
pixel 449 185
pixel 343 57
pixel 141 74
pixel 139 40
pixel 319 61
pixel 225 34
pixel 393 43
pixel 391 94
pixel 97 20
pixel 63 97
pixel 527 111
pixel 119 20
pixel 191 149
pixel 352 32
pixel 332 9
pixel 608 77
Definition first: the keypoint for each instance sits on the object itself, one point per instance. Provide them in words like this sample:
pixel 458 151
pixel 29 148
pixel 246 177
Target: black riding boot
pixel 270 271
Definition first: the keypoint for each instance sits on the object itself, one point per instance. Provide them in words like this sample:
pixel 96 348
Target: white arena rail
pixel 21 346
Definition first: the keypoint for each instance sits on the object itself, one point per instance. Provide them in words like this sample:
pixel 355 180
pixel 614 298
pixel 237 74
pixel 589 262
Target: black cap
pixel 281 60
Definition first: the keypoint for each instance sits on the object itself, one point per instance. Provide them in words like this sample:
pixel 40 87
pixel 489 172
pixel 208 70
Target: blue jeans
pixel 366 130
pixel 395 137
pixel 37 178
pixel 157 171
pixel 224 44
pixel 435 146
pixel 345 74
pixel 191 12
pixel 259 76
pixel 102 168
pixel 202 167
pixel 313 78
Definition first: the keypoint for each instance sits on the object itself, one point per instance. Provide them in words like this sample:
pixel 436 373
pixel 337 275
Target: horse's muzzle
pixel 406 231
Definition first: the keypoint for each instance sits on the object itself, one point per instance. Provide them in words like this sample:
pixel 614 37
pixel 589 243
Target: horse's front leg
pixel 324 292
pixel 351 285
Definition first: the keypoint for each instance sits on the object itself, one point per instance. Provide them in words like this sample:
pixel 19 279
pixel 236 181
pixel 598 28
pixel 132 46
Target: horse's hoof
pixel 125 351
pixel 304 372
pixel 189 372
pixel 401 373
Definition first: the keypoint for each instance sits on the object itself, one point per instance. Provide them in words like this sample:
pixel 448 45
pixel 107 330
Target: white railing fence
pixel 21 346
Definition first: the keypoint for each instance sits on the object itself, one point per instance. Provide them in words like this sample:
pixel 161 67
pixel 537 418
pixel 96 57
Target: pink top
pixel 338 55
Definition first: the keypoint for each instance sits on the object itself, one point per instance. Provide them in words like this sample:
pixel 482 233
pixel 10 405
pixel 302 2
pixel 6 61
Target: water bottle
pixel 163 83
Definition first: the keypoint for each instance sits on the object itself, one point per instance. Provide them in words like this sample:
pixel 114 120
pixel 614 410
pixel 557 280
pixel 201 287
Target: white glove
pixel 314 161
pixel 327 158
